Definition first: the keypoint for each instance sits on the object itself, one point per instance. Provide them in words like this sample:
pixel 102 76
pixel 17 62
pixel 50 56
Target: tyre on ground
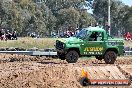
pixel 110 57
pixel 72 56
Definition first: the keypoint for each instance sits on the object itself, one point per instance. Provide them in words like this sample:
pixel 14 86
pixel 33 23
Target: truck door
pixel 95 44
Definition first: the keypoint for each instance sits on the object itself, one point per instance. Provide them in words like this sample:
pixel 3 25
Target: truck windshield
pixel 82 34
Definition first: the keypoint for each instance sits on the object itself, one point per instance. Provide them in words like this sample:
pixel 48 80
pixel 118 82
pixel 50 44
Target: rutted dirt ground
pixel 33 72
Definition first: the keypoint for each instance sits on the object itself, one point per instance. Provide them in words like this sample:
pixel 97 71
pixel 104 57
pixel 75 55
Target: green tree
pixel 86 19
pixel 68 17
pixel 127 20
pixel 49 18
pixel 56 5
pixel 101 12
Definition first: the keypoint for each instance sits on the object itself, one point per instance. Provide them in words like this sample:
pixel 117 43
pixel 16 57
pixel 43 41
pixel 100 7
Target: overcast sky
pixel 127 2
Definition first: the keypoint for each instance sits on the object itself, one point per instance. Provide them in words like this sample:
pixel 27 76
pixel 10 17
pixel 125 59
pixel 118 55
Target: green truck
pixel 91 41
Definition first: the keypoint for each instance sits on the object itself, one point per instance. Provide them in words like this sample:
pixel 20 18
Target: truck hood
pixel 71 40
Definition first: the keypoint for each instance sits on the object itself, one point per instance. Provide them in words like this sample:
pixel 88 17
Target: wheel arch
pixel 111 58
pixel 112 49
pixel 74 48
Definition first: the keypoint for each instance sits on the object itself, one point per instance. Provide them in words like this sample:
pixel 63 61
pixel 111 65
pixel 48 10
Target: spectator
pixel 127 36
pixel 14 35
pixel 62 34
pixel 3 35
pixel 8 35
pixel 0 33
pixel 77 31
pixel 32 35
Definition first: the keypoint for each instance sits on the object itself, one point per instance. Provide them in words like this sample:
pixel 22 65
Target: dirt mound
pixel 36 75
pixel 22 71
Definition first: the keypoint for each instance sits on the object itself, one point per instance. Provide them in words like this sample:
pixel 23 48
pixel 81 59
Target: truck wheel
pixel 61 56
pixel 72 56
pixel 110 57
pixel 99 57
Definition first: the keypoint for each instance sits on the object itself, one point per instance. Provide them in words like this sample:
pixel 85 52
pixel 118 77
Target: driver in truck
pixel 91 41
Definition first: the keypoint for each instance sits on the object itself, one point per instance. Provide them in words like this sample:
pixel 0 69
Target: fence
pixel 128 51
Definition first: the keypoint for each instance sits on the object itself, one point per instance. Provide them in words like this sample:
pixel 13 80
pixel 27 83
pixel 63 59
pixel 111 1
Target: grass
pixel 128 43
pixel 28 43
pixel 40 43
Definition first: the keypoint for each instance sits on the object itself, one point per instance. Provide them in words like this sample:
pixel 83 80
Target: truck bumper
pixel 61 51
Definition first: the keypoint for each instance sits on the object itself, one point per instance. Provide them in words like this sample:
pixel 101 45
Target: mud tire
pixel 72 56
pixel 110 57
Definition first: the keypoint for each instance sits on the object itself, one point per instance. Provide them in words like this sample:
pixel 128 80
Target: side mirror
pixel 110 36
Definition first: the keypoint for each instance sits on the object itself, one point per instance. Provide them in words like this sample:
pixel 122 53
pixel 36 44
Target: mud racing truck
pixel 92 41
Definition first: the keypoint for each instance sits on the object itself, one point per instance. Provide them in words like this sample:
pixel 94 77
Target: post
pixel 109 24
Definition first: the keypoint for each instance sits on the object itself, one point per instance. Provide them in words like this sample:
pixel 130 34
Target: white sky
pixel 127 2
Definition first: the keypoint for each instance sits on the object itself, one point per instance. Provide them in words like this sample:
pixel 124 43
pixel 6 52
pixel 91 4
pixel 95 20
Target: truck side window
pixel 100 36
pixel 96 36
pixel 93 36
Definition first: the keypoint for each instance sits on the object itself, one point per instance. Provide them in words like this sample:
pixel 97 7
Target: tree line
pixel 121 15
pixel 26 16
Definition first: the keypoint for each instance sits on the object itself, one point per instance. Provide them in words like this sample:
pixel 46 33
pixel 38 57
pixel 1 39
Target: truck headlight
pixel 60 45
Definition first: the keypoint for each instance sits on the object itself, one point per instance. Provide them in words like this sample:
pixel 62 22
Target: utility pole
pixel 109 24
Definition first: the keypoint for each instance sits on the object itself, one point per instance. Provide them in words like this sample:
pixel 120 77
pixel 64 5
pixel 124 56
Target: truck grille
pixel 59 45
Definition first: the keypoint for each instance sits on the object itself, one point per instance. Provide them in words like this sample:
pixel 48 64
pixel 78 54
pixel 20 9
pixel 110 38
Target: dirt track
pixel 33 72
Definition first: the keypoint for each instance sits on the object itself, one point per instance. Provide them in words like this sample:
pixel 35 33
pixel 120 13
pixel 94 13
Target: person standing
pixel 14 35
